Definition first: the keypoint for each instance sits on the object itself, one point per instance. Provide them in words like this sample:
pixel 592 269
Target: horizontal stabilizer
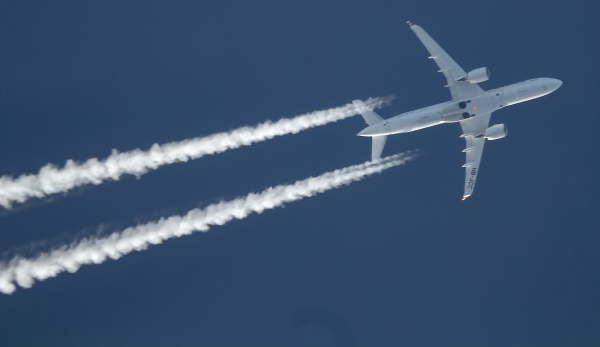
pixel 378 143
pixel 368 114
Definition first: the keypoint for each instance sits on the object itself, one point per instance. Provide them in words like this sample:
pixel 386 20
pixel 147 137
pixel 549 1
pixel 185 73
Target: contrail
pixel 52 179
pixel 96 250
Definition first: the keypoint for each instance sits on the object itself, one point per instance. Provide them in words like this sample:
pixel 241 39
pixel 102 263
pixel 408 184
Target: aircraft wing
pixel 471 128
pixel 459 89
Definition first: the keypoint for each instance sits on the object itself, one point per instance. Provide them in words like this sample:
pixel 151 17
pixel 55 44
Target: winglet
pixel 410 23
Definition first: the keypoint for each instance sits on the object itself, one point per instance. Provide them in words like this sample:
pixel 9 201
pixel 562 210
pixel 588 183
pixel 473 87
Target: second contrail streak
pixel 52 179
pixel 96 250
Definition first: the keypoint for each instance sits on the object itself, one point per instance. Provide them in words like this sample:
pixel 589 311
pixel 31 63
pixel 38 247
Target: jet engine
pixel 477 76
pixel 495 132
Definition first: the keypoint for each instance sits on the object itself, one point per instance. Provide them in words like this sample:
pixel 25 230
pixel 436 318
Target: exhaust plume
pixel 52 179
pixel 96 250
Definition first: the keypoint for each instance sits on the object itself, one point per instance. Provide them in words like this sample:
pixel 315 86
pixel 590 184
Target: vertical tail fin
pixel 378 143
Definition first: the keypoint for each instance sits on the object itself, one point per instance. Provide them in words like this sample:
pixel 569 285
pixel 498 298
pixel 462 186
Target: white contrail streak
pixel 95 250
pixel 52 179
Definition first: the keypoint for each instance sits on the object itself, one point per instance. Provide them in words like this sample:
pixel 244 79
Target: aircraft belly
pixel 406 123
pixel 421 120
pixel 427 125
pixel 430 119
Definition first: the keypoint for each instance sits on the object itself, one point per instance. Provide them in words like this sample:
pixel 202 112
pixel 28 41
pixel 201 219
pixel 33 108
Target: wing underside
pixel 472 129
pixel 453 72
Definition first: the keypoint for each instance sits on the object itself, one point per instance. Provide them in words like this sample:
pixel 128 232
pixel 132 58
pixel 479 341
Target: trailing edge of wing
pixel 474 149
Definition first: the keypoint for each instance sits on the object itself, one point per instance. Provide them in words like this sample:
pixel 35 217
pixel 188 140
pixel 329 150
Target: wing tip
pixel 465 197
pixel 410 23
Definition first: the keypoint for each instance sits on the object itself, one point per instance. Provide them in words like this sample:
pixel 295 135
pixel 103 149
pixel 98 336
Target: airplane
pixel 471 106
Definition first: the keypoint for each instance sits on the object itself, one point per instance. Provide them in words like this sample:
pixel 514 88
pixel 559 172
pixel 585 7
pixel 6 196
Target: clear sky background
pixel 394 260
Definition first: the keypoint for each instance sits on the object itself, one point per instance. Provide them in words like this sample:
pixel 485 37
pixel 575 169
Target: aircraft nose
pixel 554 84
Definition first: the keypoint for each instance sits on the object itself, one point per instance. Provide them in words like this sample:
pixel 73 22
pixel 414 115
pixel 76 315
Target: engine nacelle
pixel 495 132
pixel 477 76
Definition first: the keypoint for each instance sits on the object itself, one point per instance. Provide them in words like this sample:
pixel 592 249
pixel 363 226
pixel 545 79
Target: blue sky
pixel 396 259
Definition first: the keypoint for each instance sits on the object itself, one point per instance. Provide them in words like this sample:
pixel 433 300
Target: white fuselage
pixel 455 111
